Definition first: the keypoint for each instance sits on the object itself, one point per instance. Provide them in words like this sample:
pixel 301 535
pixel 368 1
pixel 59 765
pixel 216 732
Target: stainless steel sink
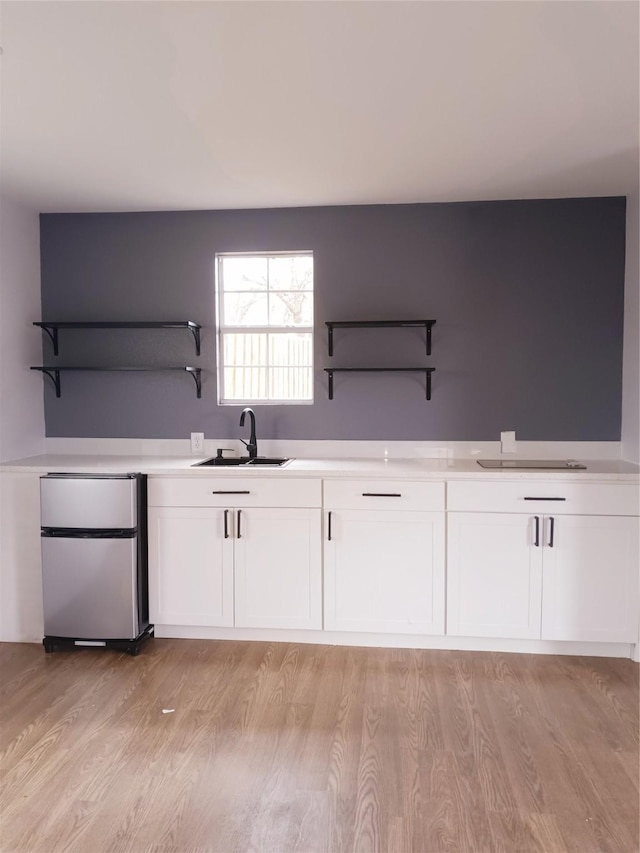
pixel 243 461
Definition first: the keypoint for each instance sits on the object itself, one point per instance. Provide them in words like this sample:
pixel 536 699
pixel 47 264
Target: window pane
pixel 245 309
pixel 294 308
pixel 291 350
pixel 245 350
pixel 291 273
pixel 245 273
pixel 290 383
pixel 245 383
pixel 265 327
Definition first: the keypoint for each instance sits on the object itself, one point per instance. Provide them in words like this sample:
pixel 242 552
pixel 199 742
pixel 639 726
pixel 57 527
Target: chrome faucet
pixel 252 444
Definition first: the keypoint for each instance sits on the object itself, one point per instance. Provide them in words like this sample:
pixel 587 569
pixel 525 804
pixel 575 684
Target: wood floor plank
pixel 545 833
pixel 313 768
pixel 442 821
pixel 417 697
pixel 289 748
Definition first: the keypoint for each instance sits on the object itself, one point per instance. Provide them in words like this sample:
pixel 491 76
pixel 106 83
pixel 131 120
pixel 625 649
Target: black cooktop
pixel 527 464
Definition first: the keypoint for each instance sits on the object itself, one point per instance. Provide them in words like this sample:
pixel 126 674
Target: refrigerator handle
pixel 88 533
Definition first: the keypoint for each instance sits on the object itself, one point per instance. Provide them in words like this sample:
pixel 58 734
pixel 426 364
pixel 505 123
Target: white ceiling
pixel 201 105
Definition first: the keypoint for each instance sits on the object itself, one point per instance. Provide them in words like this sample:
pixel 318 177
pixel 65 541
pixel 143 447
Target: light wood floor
pixel 285 747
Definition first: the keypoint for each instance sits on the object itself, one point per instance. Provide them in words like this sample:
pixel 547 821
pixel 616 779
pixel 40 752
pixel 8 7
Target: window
pixel 265 327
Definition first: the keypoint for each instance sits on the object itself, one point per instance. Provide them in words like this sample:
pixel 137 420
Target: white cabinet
pixel 21 616
pixel 190 567
pixel 213 562
pixel 544 573
pixel 526 559
pixel 590 579
pixel 278 580
pixel 384 561
pixel 494 577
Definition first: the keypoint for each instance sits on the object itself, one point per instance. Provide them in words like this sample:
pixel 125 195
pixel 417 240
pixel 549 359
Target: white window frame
pixel 222 328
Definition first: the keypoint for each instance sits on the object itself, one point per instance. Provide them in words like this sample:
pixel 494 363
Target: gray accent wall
pixel 528 297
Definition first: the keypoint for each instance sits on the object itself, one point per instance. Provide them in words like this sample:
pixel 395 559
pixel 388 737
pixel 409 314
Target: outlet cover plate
pixel 508 442
pixel 197 442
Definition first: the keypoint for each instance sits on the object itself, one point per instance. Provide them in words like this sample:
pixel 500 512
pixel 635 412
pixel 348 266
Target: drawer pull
pixel 232 492
pixel 329 526
pixel 544 499
pixel 381 495
pixel 552 527
pixel 226 524
pixel 537 539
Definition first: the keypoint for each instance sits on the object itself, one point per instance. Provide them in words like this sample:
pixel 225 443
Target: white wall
pixel 631 352
pixel 21 395
pixel 21 422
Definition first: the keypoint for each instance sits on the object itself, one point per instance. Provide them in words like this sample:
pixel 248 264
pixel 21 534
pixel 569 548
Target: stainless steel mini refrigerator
pixel 94 560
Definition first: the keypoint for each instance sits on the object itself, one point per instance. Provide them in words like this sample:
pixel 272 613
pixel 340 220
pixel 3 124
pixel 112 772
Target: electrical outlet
pixel 197 442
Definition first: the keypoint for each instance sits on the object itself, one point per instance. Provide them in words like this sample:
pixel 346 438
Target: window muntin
pixel 265 327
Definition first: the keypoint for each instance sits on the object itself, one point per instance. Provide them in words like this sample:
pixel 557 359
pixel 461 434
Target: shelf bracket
pixel 54 376
pixel 428 330
pixel 330 375
pixel 53 334
pixel 195 374
pixel 330 347
pixel 195 331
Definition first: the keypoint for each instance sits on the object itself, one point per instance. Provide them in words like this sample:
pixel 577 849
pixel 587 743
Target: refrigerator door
pixel 88 501
pixel 89 588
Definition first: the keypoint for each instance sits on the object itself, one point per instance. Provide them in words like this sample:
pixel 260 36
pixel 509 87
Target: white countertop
pixel 412 469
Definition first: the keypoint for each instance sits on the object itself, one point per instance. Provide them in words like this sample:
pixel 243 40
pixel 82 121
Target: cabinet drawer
pixel 544 496
pixel 233 491
pixel 383 494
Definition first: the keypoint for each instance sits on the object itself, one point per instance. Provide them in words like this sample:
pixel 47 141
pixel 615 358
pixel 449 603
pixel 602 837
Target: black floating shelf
pixel 426 370
pixel 51 328
pixel 53 372
pixel 380 324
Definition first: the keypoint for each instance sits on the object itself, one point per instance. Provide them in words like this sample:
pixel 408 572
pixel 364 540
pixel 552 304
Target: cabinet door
pixel 494 586
pixel 278 581
pixel 591 579
pixel 190 566
pixel 384 571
